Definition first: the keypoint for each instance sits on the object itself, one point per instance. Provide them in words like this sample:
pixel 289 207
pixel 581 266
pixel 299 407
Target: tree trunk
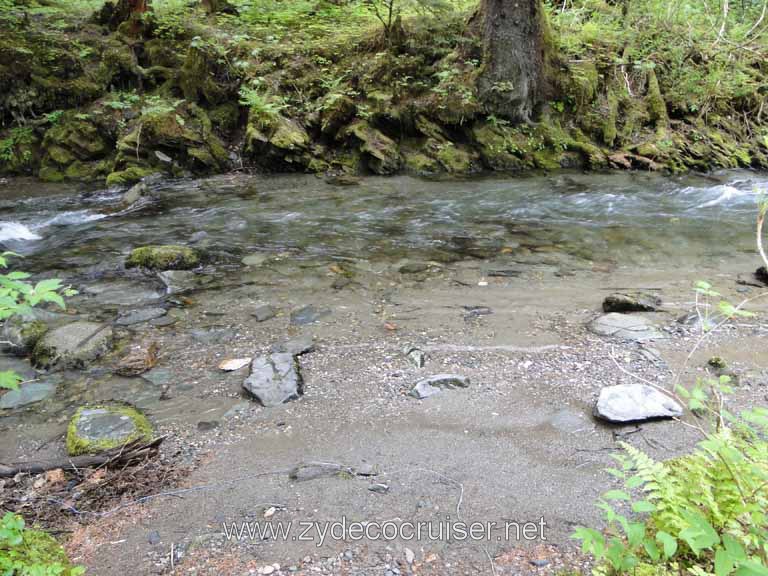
pixel 511 82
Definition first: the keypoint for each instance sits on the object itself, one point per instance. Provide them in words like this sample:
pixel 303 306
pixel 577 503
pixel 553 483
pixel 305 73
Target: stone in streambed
pixel 28 393
pixel 631 302
pixel 132 317
pixel 625 326
pixel 163 257
pixel 19 336
pixel 73 346
pixel 314 470
pixel 264 312
pixel 308 315
pixel 295 346
pixel 635 402
pixel 432 385
pixel 95 429
pixel 274 379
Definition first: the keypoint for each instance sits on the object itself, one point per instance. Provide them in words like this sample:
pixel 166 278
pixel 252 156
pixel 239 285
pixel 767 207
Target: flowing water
pixel 565 220
pixel 628 217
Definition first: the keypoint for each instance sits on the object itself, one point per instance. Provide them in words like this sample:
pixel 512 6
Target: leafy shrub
pixel 25 552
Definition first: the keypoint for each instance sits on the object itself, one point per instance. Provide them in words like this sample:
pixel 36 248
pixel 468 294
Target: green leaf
pixel 668 542
pixel 651 549
pixel 751 568
pixel 616 495
pixel 723 562
pixel 9 380
pixel 643 506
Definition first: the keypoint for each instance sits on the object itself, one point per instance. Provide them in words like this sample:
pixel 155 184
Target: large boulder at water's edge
pixel 634 402
pixel 73 345
pixel 94 429
pixel 274 379
pixel 167 257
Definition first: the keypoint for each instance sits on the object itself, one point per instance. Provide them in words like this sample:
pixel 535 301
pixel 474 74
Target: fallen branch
pixel 127 454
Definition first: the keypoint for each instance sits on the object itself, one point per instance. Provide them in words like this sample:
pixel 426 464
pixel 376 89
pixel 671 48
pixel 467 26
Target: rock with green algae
pixel 496 147
pixel 74 149
pixel 130 175
pixel 455 159
pixel 95 429
pixel 419 163
pixel 163 257
pixel 380 152
pixel 276 141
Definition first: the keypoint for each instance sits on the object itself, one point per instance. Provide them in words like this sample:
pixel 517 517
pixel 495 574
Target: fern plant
pixel 702 514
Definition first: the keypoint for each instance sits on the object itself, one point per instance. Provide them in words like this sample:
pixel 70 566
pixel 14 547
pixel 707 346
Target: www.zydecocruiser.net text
pixel 354 531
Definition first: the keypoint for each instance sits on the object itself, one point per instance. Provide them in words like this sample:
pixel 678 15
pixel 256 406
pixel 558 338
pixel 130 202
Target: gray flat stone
pixel 98 424
pixel 313 470
pixel 625 326
pixel 138 316
pixel 73 345
pixel 264 312
pixel 432 385
pixel 295 346
pixel 634 402
pixel 27 394
pixel 308 315
pixel 274 379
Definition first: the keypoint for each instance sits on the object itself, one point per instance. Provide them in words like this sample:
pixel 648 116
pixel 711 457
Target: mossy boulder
pixel 497 147
pixel 95 429
pixel 456 159
pixel 164 257
pixel 129 176
pixel 337 110
pixel 380 152
pixel 276 142
pixel 74 148
pixel 177 130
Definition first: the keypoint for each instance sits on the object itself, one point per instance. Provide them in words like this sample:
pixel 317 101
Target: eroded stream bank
pixel 492 279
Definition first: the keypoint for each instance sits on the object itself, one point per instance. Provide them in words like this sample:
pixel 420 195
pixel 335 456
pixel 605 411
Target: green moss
pixel 31 332
pixel 419 163
pixel 584 83
pixel 225 116
pixel 609 124
pixel 130 175
pixel 51 174
pixel 169 257
pixel 76 445
pixel 380 152
pixel 657 108
pixel 497 146
pixel 455 159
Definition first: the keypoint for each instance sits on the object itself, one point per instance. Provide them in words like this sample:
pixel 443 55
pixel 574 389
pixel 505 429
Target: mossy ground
pixel 636 87
pixel 76 445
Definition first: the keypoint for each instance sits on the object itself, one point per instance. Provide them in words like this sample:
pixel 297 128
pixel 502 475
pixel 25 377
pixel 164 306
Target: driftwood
pixel 127 454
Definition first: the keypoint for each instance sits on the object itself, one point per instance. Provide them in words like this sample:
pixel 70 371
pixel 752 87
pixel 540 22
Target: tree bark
pixel 514 44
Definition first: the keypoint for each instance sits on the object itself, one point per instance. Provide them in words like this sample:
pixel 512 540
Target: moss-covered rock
pixel 129 176
pixel 169 257
pixel 380 152
pixel 73 345
pixel 95 429
pixel 497 147
pixel 456 159
pixel 74 148
pixel 655 101
pixel 276 142
pixel 22 334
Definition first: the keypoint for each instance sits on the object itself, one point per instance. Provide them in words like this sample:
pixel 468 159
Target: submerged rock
pixel 182 281
pixel 138 316
pixel 633 402
pixel 295 346
pixel 274 380
pixel 625 326
pixel 432 385
pixel 168 257
pixel 94 429
pixel 415 356
pixel 631 302
pixel 134 194
pixel 264 312
pixel 73 345
pixel 308 315
pixel 28 393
